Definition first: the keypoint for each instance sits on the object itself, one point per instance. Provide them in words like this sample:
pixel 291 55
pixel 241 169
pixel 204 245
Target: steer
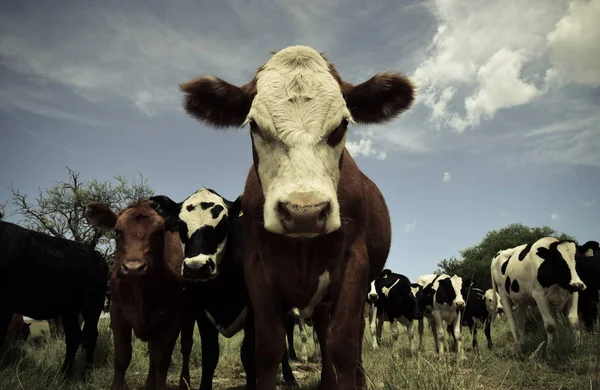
pixel 480 310
pixel 212 237
pixel 146 287
pixel 393 296
pixel 441 301
pixel 588 267
pixel 540 273
pixel 63 278
pixel 318 230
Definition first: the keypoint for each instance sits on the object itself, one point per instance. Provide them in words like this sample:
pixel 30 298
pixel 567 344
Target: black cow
pixel 588 267
pixel 477 312
pixel 63 278
pixel 212 234
pixel 393 296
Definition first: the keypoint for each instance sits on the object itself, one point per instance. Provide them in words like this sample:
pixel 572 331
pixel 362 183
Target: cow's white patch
pixel 386 290
pixel 307 311
pixel 567 251
pixel 234 328
pixel 373 291
pixel 297 105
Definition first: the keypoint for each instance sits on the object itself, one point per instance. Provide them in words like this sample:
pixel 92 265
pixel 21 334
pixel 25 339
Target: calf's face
pixel 139 235
pixel 298 109
pixel 204 222
pixel 559 267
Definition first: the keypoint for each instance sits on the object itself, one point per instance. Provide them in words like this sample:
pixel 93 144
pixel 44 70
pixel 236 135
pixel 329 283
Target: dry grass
pixel 36 364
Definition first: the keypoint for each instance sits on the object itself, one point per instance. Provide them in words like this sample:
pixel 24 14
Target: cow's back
pixel 59 274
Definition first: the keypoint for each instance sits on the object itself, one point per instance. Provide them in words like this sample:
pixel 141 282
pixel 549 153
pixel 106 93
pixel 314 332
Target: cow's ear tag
pixel 241 213
pixel 384 276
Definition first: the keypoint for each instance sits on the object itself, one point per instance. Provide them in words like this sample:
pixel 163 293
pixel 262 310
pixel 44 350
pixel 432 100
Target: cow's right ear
pixel 543 252
pixel 589 248
pixel 216 102
pixel 165 206
pixel 100 216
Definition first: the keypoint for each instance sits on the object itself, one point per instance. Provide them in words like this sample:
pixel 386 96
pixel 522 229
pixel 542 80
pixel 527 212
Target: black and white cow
pixel 297 319
pixel 588 268
pixel 542 274
pixel 481 310
pixel 392 298
pixel 212 236
pixel 63 277
pixel 441 301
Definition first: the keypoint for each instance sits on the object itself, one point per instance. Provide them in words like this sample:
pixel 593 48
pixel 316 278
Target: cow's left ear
pixel 235 209
pixel 379 99
pixel 589 248
pixel 165 206
pixel 543 252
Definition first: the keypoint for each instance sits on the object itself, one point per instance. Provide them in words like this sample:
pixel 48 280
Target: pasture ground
pixel 36 364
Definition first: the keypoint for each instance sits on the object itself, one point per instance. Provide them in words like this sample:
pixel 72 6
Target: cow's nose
pixel 197 270
pixel 133 268
pixel 303 218
pixel 373 297
pixel 460 304
pixel 578 285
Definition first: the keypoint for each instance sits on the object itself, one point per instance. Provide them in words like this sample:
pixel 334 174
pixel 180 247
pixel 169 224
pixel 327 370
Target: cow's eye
pixel 336 135
pixel 254 128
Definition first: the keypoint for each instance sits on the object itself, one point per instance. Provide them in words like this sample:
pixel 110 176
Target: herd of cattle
pixel 306 243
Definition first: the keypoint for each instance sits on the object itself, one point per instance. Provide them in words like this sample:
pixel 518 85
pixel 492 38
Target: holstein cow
pixel 318 230
pixel 393 296
pixel 63 278
pixel 18 330
pixel 480 310
pixel 146 287
pixel 541 273
pixel 588 268
pixel 441 301
pixel 212 237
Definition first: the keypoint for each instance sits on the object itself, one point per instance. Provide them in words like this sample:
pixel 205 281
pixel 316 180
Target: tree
pixel 58 211
pixel 475 261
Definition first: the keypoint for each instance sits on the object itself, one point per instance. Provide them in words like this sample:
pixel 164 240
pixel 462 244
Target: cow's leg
pixel 342 335
pixel 439 332
pixel 289 330
pixel 321 318
pixel 573 315
pixel 488 333
pixel 458 335
pixel 187 342
pixel 361 382
pixel 395 332
pixel 520 317
pixel 473 330
pixel 5 318
pixel 122 346
pixel 73 338
pixel 209 337
pixel 161 351
pixel 91 316
pixel 433 326
pixel 380 322
pixel 450 328
pixel 511 323
pixel 317 351
pixel 247 352
pixel 304 338
pixel 373 325
pixel 549 323
pixel 411 336
pixel 286 370
pixel 421 327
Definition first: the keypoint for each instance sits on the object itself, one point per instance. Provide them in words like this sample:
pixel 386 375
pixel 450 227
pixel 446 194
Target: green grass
pixel 36 364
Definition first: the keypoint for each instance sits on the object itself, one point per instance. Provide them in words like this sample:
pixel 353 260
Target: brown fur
pixel 151 305
pixel 282 272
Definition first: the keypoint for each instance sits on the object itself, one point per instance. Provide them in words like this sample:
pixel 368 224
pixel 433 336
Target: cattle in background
pixel 441 301
pixel 394 298
pixel 146 287
pixel 212 237
pixel 318 230
pixel 540 273
pixel 588 268
pixel 480 310
pixel 18 330
pixel 63 278
pixel 302 323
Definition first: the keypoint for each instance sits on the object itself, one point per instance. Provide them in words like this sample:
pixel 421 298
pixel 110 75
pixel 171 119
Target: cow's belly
pixel 322 288
pixel 228 328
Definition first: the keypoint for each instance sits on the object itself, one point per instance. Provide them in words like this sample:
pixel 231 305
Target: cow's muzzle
pixel 194 270
pixel 577 286
pixel 132 268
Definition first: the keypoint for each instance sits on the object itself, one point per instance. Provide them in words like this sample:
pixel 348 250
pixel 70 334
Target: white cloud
pixel 493 55
pixel 365 148
pixel 588 203
pixel 574 45
pixel 410 226
pixel 503 213
pixel 555 217
pixel 446 177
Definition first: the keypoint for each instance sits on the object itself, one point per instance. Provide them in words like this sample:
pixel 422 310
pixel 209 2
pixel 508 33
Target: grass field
pixel 36 364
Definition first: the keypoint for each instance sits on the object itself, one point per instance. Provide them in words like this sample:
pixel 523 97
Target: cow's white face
pixel 298 122
pixel 457 285
pixel 489 302
pixel 568 250
pixel 372 296
pixel 203 228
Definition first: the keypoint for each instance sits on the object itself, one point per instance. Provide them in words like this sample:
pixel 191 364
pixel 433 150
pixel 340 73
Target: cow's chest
pixel 305 306
pixel 557 296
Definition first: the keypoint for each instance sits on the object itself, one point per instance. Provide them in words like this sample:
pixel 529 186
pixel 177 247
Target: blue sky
pixel 505 128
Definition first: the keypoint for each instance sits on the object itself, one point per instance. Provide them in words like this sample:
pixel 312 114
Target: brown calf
pixel 317 229
pixel 146 288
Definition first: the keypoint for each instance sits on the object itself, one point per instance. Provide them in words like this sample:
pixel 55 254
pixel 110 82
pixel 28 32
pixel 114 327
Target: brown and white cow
pixel 318 230
pixel 146 288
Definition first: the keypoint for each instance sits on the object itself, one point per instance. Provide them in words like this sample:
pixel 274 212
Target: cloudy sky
pixel 505 128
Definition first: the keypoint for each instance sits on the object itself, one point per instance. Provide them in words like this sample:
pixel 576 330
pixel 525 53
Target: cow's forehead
pixel 567 250
pixel 296 93
pixel 203 208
